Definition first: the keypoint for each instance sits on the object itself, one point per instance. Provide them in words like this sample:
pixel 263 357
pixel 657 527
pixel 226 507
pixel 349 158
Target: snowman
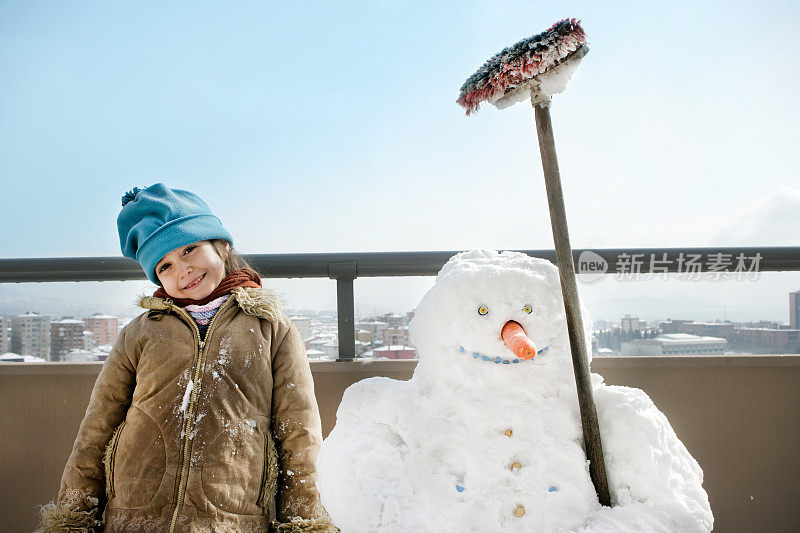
pixel 486 436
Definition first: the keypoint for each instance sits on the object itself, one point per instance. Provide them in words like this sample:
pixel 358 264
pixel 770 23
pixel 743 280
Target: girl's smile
pixel 192 271
pixel 195 282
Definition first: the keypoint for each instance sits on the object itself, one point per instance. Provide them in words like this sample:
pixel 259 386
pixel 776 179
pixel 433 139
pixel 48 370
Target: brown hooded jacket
pixel 183 434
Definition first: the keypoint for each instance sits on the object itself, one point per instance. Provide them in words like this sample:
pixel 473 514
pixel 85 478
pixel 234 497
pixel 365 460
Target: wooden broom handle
pixel 569 289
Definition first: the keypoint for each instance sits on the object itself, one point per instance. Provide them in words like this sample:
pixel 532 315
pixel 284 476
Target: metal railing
pixel 346 267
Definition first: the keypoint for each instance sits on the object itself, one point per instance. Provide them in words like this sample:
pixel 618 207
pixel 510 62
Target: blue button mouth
pixel 497 359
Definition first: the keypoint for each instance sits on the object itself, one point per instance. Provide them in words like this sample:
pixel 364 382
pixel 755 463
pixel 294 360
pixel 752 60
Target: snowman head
pixel 458 326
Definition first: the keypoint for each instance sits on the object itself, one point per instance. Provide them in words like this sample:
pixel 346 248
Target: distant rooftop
pixel 718 323
pixel 393 348
pixel 11 357
pixel 767 329
pixel 684 338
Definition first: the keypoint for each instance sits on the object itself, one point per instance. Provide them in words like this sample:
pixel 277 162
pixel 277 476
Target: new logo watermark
pixel 591 267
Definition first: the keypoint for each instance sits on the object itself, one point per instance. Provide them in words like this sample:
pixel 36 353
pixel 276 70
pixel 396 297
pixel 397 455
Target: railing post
pixel 344 274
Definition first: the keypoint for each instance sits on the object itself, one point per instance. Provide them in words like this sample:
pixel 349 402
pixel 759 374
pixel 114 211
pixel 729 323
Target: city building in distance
pixel 375 327
pixel 104 328
pixel 794 310
pixel 396 336
pixel 30 335
pixel 5 335
pixel 303 325
pixel 395 352
pixel 675 344
pixel 722 330
pixel 66 335
pixel 608 337
pixel 33 337
pixel 315 354
pixel 631 323
pixel 767 340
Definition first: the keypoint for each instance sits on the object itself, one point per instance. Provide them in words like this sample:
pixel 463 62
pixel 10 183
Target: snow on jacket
pixel 189 435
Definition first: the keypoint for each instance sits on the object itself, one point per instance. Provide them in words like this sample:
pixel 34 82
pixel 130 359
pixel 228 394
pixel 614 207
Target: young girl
pixel 205 409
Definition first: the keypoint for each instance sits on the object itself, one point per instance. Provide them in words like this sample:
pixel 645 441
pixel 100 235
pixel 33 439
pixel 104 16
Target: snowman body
pixel 480 440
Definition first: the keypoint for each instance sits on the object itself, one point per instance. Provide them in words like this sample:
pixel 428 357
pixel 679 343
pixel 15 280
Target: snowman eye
pixel 528 309
pixel 482 310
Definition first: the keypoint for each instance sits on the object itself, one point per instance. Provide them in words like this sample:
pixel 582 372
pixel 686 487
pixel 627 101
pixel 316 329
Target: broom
pixel 537 68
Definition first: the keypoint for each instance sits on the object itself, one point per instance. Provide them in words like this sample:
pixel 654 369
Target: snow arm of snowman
pixel 653 477
pixel 361 463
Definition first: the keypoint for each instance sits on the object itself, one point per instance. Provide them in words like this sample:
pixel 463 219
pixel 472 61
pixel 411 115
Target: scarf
pixel 242 277
pixel 203 314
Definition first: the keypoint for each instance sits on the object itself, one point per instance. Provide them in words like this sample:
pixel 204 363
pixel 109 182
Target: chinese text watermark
pixel 683 266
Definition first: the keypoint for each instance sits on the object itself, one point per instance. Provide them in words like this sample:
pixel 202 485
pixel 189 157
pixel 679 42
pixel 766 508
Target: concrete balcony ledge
pixel 407 365
pixel 739 416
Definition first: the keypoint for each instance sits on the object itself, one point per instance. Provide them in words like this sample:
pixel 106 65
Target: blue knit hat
pixel 156 220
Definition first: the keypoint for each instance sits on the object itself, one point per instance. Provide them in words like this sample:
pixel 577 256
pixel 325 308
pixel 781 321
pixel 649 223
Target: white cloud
pixel 772 220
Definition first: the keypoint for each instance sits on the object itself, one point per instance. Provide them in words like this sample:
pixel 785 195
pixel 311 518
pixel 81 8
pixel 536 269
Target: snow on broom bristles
pixel 519 63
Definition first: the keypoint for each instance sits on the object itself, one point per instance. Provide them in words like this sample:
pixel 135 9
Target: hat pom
pixel 130 195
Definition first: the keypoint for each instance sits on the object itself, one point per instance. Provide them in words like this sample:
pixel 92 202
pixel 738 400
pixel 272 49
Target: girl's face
pixel 191 271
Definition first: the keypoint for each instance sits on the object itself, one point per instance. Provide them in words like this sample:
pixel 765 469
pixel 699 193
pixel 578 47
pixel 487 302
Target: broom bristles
pixel 520 63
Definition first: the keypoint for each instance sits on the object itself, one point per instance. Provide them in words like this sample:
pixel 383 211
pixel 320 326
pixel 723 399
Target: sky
pixel 332 127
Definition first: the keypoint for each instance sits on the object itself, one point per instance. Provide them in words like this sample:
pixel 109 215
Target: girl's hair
pixel 233 261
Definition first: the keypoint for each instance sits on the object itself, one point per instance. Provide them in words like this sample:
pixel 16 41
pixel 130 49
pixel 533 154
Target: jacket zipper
pixel 192 401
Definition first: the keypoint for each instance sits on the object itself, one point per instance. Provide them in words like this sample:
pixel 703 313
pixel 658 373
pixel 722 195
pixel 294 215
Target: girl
pixel 205 409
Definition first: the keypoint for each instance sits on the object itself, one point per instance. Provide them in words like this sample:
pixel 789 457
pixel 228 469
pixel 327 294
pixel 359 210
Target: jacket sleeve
pixel 81 496
pixel 298 435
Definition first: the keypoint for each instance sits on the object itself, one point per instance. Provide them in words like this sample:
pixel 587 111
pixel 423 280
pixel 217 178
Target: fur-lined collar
pixel 256 301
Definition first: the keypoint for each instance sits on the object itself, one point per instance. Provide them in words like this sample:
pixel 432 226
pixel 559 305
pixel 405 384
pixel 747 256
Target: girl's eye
pixel 482 310
pixel 528 309
pixel 163 267
pixel 188 249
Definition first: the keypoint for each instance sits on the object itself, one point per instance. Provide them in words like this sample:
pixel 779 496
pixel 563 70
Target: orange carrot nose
pixel 517 340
